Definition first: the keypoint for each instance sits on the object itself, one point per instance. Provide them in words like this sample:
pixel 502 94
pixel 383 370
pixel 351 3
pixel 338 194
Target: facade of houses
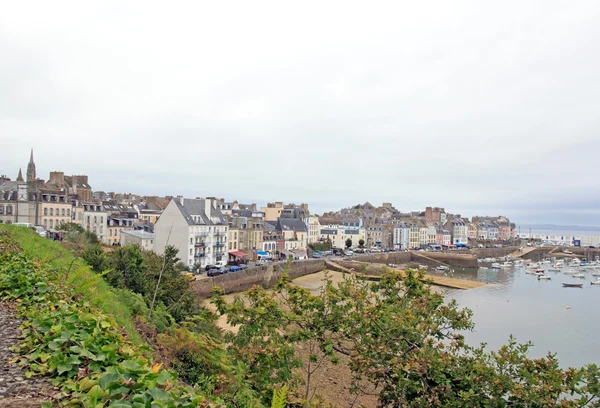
pixel 272 211
pixel 196 227
pixel 402 237
pixel 293 231
pixel 137 237
pixel 459 230
pixel 314 227
pixel 374 236
pixel 94 219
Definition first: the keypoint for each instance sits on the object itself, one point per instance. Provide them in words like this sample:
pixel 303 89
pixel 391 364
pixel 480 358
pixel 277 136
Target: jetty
pixel 373 272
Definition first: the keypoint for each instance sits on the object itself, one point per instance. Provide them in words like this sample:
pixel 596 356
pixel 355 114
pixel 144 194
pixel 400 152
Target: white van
pixel 23 224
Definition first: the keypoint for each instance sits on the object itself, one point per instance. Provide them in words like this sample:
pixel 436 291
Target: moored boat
pixel 578 275
pixel 544 277
pixel 572 285
pixel 596 282
pixel 495 265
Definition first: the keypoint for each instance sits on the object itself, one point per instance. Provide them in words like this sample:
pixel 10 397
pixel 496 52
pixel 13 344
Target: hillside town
pixel 214 231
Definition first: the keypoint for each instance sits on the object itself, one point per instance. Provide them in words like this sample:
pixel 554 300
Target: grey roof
pixel 328 232
pixel 138 234
pixel 290 224
pixel 195 208
pixel 351 231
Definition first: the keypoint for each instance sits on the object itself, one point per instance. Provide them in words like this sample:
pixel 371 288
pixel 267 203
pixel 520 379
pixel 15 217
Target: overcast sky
pixel 478 107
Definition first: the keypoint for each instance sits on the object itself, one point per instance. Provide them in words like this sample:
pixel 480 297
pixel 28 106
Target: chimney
pixel 208 203
pixel 180 199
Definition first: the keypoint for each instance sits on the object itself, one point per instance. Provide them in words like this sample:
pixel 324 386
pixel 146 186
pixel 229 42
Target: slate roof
pixel 195 208
pixel 290 224
pixel 138 234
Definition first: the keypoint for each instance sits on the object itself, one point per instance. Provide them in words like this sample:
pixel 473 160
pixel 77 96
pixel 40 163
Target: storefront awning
pixel 238 254
pixel 260 253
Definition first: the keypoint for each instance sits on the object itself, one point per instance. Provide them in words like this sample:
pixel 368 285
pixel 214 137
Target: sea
pixel 554 318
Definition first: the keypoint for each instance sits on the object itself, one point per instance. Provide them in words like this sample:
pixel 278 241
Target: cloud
pixel 466 105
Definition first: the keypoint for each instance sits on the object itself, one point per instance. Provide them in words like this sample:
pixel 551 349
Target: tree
pixel 361 243
pixel 403 339
pixel 348 243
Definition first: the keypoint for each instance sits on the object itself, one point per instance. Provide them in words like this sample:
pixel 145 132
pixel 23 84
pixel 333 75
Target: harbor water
pixel 555 319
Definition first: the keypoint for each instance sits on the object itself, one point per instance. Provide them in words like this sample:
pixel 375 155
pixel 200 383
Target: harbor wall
pixel 265 276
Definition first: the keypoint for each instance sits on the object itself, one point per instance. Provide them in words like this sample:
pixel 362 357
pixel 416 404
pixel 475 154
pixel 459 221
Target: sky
pixel 479 107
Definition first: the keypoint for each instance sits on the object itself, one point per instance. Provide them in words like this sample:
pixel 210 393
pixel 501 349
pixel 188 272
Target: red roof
pixel 239 254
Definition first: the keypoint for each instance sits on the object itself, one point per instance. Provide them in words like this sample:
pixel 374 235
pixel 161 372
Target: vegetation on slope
pixel 396 336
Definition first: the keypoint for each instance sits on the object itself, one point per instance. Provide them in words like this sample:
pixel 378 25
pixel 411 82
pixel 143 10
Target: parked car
pixel 316 255
pixel 40 230
pixel 214 272
pixel 234 268
pixel 209 267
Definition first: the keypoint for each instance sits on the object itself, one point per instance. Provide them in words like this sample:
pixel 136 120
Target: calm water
pixel 535 310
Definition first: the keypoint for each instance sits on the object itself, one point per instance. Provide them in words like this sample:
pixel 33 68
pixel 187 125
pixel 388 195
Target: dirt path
pixel 16 390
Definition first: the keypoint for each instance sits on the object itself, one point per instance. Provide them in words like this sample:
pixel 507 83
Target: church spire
pixel 20 176
pixel 31 176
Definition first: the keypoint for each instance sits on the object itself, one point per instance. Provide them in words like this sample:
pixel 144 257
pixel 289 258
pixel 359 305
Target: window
pixel 63 212
pixel 101 220
pixel 68 212
pixel 45 211
pixel 191 241
pixel 8 209
pixel 191 251
pixel 51 223
pixel 95 219
pixel 51 211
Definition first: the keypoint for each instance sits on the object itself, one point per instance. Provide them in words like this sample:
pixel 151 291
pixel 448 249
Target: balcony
pixel 220 234
pixel 200 244
pixel 219 244
pixel 202 234
pixel 199 255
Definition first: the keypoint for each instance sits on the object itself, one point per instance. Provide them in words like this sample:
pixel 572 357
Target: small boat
pixel 441 268
pixel 595 273
pixel 596 282
pixel 572 285
pixel 495 265
pixel 553 270
pixel 578 275
pixel 539 271
pixel 423 266
pixel 544 277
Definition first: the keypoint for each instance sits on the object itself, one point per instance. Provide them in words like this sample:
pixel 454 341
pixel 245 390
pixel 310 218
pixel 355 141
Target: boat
pixel 495 265
pixel 596 282
pixel 595 273
pixel 544 277
pixel 578 275
pixel 507 264
pixel 441 268
pixel 572 285
pixel 553 269
pixel 423 266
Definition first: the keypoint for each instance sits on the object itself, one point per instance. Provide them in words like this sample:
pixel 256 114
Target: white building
pixel 194 226
pixel 314 228
pixel 138 237
pixel 402 237
pixel 94 219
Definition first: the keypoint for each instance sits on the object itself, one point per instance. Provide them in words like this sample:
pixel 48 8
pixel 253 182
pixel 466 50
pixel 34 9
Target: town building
pixel 94 219
pixel 144 239
pixel 273 211
pixel 196 228
pixel 313 227
pixel 402 237
pixel 293 231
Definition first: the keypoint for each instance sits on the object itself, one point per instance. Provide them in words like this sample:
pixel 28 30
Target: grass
pixel 76 274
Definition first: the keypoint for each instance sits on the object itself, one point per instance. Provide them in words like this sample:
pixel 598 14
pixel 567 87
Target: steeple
pixel 20 176
pixel 31 176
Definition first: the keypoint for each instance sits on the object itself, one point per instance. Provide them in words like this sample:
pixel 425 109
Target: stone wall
pixel 429 258
pixel 493 252
pixel 265 276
